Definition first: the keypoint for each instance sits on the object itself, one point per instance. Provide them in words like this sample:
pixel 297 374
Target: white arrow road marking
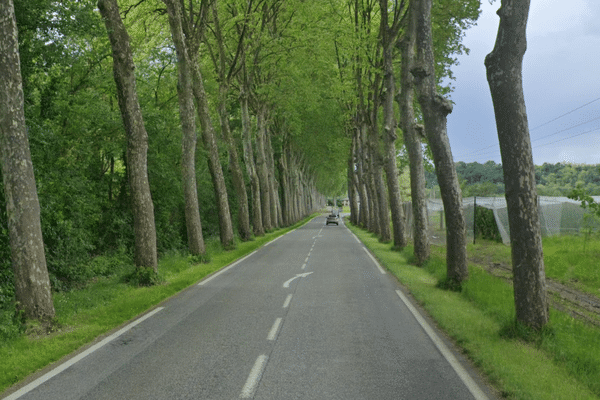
pixel 287 283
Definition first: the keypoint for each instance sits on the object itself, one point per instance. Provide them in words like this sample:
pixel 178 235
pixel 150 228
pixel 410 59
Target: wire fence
pixel 558 215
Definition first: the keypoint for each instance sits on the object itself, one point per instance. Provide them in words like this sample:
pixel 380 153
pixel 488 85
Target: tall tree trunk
pixel 261 168
pixel 363 217
pixel 380 197
pixel 435 110
pixel 236 170
pixel 353 184
pixel 388 39
pixel 234 163
pixel 137 137
pixel 273 184
pixel 257 223
pixel 504 68
pixel 413 146
pixel 214 162
pixel 285 189
pixel 188 126
pixel 32 283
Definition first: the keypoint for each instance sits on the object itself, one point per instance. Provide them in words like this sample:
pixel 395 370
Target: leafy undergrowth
pixel 562 362
pixel 107 302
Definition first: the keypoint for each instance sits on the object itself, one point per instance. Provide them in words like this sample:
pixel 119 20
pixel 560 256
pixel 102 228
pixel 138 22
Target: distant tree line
pixel 558 179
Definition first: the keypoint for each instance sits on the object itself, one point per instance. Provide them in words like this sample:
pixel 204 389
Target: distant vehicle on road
pixel 332 219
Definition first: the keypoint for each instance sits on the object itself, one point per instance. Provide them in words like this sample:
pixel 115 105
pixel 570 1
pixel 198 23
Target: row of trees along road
pixel 308 97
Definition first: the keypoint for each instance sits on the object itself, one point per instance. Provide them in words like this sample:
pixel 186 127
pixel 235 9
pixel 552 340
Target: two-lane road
pixel 308 316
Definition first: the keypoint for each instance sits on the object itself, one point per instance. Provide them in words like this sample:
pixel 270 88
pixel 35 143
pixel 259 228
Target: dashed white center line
pixel 287 301
pixel 303 265
pixel 254 377
pixel 274 330
pixel 306 259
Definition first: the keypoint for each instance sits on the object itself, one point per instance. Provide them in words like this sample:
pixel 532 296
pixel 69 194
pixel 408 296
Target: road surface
pixel 310 315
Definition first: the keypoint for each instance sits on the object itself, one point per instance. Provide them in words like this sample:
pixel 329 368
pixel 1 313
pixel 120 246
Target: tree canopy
pixel 301 88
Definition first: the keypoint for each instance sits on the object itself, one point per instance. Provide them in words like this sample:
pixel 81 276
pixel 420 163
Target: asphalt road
pixel 308 316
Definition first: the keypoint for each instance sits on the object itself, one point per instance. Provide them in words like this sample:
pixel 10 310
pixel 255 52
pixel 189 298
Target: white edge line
pixel 355 237
pixel 277 238
pixel 274 330
pixel 210 278
pixel 458 368
pixel 287 301
pixel 374 260
pixel 254 377
pixel 46 377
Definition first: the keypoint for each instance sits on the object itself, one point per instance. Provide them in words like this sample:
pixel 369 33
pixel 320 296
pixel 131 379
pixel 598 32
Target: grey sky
pixel 561 72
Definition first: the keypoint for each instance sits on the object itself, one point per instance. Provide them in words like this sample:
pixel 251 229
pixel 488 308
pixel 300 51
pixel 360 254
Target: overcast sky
pixel 561 73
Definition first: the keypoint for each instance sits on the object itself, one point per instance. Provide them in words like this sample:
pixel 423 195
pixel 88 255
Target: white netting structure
pixel 558 215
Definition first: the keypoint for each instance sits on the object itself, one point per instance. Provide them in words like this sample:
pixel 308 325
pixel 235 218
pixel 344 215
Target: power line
pixel 566 129
pixel 497 151
pixel 567 138
pixel 476 152
pixel 567 113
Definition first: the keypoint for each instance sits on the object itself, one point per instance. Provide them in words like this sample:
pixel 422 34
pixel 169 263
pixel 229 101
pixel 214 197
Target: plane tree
pixel 32 283
pixel 504 74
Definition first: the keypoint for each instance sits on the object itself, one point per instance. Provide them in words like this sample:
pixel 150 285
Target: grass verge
pixel 83 315
pixel 563 362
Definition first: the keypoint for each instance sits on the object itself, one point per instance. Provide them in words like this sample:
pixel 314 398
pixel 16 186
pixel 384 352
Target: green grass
pixel 563 362
pixel 83 315
pixel 573 260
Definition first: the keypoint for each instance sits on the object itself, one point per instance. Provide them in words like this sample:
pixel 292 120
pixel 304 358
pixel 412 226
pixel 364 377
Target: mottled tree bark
pixel 435 110
pixel 137 137
pixel 504 74
pixel 188 126
pixel 285 188
pixel 234 163
pixel 32 283
pixel 262 170
pixel 389 36
pixel 214 163
pixel 353 184
pixel 273 184
pixel 257 224
pixel 380 197
pixel 363 216
pixel 413 147
pixel 237 175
